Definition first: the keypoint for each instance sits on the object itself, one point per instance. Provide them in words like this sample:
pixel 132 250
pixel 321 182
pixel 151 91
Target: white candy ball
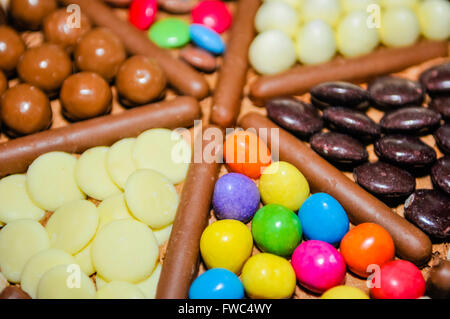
pixel 272 52
pixel 357 5
pixel 399 27
pixel 315 42
pixel 327 10
pixel 412 4
pixel 354 37
pixel 434 18
pixel 294 3
pixel 277 16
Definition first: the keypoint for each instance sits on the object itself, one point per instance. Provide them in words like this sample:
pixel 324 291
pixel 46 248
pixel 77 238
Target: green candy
pixel 169 33
pixel 276 230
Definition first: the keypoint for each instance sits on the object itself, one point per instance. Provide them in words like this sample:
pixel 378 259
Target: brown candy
pixel 11 48
pixel 3 83
pixel 25 110
pixel 200 59
pixel 14 292
pixel 438 282
pixel 85 95
pixel 58 30
pixel 30 14
pixel 46 67
pixel 177 6
pixel 3 18
pixel 118 3
pixel 140 80
pixel 100 51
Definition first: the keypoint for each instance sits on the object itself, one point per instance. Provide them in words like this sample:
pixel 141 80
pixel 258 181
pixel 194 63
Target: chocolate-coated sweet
pixel 3 17
pixel 25 110
pixel 438 282
pixel 298 117
pixel 85 95
pixel 384 180
pixel 440 174
pixel 339 93
pixel 11 48
pixel 391 92
pixel 57 29
pixel 352 122
pixel 404 150
pixel 442 137
pixel 200 59
pixel 100 51
pixel 436 79
pixel 177 6
pixel 413 119
pixel 14 292
pixel 30 14
pixel 45 67
pixel 3 82
pixel 338 147
pixel 441 104
pixel 118 3
pixel 430 210
pixel 140 80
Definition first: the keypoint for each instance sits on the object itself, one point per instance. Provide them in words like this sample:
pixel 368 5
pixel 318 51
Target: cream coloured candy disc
pixel 113 208
pixel 163 234
pixel 149 285
pixel 84 259
pixel 164 151
pixel 119 161
pixel 51 180
pixel 125 250
pixel 65 282
pixel 100 282
pixel 151 198
pixel 15 203
pixel 120 290
pixel 72 226
pixel 39 264
pixel 19 241
pixel 92 176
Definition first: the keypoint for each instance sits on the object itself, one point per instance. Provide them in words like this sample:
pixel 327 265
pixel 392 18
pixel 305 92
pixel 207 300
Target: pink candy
pixel 142 13
pixel 213 14
pixel 318 266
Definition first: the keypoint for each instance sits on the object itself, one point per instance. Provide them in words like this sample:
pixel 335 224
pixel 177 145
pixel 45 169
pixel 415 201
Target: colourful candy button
pixel 169 33
pixel 276 230
pixel 142 13
pixel 206 38
pixel 213 14
pixel 344 292
pixel 217 283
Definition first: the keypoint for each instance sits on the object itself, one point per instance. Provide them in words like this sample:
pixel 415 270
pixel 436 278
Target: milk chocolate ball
pixel 58 30
pixel 3 18
pixel 100 51
pixel 140 80
pixel 46 67
pixel 11 48
pixel 3 82
pixel 25 109
pixel 85 95
pixel 29 14
pixel 438 282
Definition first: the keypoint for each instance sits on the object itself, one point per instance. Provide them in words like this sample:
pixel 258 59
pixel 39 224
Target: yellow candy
pixel 344 292
pixel 434 17
pixel 357 5
pixel 282 183
pixel 399 27
pixel 400 3
pixel 267 276
pixel 226 244
pixel 326 10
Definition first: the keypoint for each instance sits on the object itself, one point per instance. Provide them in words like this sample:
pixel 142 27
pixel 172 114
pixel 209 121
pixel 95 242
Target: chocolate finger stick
pixel 17 154
pixel 411 243
pixel 233 73
pixel 180 264
pixel 180 75
pixel 300 79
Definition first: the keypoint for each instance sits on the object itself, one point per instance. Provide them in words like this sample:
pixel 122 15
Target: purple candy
pixel 235 197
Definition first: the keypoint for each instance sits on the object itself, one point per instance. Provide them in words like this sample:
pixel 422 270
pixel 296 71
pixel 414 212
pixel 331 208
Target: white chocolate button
pixel 39 264
pixel 119 161
pixel 272 52
pixel 65 282
pixel 3 282
pixel 315 43
pixel 357 5
pixel 19 241
pixel 293 3
pixel 51 180
pixel 149 285
pixel 412 4
pixel 151 198
pixel 84 259
pixel 15 203
pixel 399 27
pixel 277 16
pixel 434 17
pixel 72 226
pixel 120 290
pixel 113 208
pixel 125 250
pixel 100 282
pixel 326 10
pixel 92 176
pixel 164 151
pixel 163 234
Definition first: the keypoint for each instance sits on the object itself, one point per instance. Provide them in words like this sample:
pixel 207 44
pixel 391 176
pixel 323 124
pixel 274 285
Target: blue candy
pixel 206 38
pixel 323 218
pixel 217 283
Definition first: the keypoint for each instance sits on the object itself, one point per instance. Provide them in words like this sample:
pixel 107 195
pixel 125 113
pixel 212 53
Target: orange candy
pixel 364 245
pixel 246 153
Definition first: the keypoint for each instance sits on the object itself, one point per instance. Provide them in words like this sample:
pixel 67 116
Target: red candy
pixel 142 13
pixel 398 279
pixel 213 14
